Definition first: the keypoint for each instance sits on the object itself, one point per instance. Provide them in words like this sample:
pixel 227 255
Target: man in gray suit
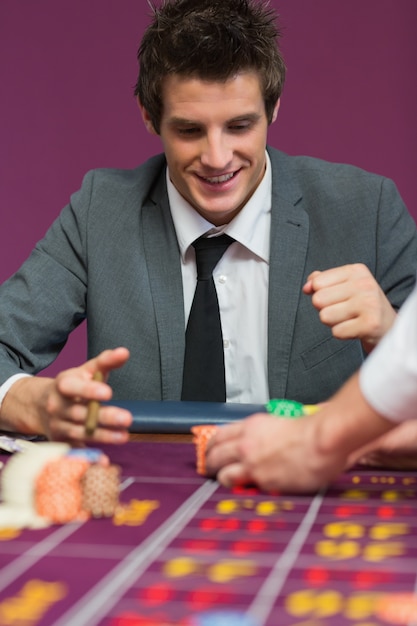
pixel 322 258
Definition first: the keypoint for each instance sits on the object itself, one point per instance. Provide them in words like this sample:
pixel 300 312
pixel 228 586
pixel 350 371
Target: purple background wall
pixel 67 70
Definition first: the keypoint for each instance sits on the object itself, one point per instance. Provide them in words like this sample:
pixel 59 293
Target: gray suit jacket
pixel 117 237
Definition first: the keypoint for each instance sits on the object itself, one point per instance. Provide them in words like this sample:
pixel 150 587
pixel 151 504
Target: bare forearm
pixel 348 422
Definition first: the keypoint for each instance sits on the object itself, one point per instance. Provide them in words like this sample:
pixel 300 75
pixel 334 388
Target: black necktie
pixel 204 378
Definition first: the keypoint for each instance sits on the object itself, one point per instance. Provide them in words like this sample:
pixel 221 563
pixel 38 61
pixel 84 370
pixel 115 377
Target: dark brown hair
pixel 212 40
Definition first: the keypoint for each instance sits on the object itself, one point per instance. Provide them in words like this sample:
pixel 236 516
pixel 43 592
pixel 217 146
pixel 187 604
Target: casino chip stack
pixel 100 490
pixel 202 434
pixel 50 483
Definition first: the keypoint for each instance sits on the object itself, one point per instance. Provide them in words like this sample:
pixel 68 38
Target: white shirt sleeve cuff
pixel 4 388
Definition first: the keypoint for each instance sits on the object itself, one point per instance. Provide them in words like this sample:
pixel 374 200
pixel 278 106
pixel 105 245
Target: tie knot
pixel 208 252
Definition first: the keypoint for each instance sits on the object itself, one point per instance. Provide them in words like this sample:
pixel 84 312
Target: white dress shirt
pixel 241 278
pixel 388 378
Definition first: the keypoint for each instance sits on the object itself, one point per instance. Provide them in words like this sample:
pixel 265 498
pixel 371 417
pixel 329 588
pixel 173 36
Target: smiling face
pixel 214 137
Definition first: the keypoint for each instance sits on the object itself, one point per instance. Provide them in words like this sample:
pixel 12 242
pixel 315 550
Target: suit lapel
pixel 289 241
pixel 164 268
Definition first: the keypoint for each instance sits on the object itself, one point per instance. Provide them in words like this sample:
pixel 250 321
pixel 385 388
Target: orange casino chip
pixel 58 494
pixel 202 435
pixel 397 608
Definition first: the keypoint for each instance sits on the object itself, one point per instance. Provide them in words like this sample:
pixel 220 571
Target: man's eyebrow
pixel 182 120
pixel 245 117
pixel 251 117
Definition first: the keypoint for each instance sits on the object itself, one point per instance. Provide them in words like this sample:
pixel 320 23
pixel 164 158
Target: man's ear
pixel 146 118
pixel 276 109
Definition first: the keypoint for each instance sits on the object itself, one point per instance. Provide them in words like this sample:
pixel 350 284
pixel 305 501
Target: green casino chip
pixel 285 408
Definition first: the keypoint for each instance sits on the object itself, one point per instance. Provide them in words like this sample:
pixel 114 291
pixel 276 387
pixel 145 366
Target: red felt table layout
pixel 183 546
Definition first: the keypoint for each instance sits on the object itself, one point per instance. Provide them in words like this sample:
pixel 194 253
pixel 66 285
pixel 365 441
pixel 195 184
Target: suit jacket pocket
pixel 328 348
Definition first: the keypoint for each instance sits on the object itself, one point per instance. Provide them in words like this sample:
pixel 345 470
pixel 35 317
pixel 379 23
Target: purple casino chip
pixel 223 618
pixel 93 455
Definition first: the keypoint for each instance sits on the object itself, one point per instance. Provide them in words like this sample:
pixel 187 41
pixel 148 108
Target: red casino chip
pixel 133 619
pixel 158 594
pixel 200 545
pixel 205 598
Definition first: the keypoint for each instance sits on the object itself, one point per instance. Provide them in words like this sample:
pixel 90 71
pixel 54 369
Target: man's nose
pixel 216 152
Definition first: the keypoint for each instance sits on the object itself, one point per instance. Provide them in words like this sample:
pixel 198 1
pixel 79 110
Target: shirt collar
pixel 250 227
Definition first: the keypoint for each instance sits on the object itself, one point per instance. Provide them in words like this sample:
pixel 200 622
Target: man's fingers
pixel 308 287
pixel 233 475
pixel 112 425
pixel 335 275
pixel 221 454
pixel 78 382
pixel 115 417
pixel 319 280
pixel 74 387
pixel 225 434
pixel 108 360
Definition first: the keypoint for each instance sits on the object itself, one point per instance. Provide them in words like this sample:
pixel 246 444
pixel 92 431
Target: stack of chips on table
pixel 51 483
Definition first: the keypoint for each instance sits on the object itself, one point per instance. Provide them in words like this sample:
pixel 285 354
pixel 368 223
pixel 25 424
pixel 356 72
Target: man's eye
pixel 188 131
pixel 239 127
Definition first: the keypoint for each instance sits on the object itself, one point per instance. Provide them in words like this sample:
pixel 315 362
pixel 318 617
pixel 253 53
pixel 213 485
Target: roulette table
pixel 183 550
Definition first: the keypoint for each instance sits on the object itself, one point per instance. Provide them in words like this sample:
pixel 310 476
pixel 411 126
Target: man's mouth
pixel 218 179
